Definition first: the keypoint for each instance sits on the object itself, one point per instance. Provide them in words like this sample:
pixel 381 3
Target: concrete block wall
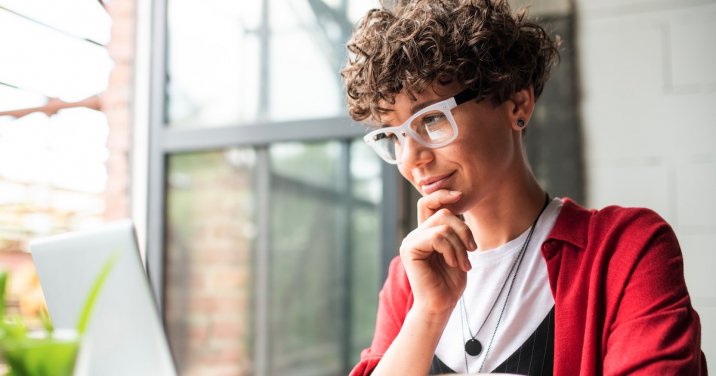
pixel 648 78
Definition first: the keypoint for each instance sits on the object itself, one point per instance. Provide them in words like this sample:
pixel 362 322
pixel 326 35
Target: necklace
pixel 473 346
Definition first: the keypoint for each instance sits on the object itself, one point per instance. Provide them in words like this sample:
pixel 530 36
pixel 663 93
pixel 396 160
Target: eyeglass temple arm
pixel 465 96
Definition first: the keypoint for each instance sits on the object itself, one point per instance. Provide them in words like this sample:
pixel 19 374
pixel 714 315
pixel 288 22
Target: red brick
pixel 228 279
pixel 235 330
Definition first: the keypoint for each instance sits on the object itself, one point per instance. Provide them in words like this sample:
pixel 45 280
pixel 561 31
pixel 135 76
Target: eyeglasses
pixel 433 127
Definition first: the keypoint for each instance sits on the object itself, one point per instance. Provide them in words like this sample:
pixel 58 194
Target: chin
pixel 457 208
pixel 462 206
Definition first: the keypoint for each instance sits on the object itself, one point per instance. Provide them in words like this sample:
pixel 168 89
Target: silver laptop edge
pixel 125 335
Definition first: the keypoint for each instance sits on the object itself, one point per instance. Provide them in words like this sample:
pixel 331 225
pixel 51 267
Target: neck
pixel 506 212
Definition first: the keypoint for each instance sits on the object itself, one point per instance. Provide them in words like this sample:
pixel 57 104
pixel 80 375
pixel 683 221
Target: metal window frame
pixel 163 141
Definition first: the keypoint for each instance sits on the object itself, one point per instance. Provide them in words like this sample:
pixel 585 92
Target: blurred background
pixel 266 225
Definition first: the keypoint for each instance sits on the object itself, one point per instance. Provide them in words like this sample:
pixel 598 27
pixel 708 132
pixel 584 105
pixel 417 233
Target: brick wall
pixel 208 288
pixel 649 89
pixel 116 104
pixel 209 264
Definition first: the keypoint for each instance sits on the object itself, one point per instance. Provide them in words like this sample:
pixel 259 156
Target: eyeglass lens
pixel 431 129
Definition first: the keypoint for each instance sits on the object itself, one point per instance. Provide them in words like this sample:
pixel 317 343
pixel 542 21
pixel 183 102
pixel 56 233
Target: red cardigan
pixel 621 304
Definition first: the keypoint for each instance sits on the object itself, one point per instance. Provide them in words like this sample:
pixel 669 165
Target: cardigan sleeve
pixel 394 302
pixel 655 330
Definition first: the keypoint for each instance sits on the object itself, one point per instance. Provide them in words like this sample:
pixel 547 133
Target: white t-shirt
pixel 530 300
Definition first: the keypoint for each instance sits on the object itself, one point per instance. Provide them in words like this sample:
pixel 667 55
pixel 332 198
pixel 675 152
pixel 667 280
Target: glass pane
pixel 210 235
pixel 324 239
pixel 83 19
pixel 53 179
pixel 307 252
pixel 365 246
pixel 233 72
pixel 324 261
pixel 212 74
pixel 306 50
pixel 13 99
pixel 40 59
pixel 53 174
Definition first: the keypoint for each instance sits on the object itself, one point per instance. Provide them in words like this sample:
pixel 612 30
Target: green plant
pixel 46 352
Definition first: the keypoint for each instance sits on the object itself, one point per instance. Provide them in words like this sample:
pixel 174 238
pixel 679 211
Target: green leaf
pixel 47 356
pixel 46 321
pixel 13 328
pixel 94 293
pixel 3 285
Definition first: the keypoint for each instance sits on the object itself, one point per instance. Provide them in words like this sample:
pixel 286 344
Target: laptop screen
pixel 125 335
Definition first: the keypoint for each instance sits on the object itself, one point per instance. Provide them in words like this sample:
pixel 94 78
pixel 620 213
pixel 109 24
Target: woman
pixel 498 276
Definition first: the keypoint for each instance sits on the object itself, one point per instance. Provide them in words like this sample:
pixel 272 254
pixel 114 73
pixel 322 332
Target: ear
pixel 521 105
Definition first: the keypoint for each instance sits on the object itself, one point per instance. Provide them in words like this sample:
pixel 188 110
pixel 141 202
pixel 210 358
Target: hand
pixel 435 254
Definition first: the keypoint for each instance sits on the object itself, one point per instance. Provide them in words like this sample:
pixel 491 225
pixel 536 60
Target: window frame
pixel 162 141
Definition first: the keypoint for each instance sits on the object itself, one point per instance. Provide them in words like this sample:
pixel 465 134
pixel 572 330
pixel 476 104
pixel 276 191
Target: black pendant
pixel 473 347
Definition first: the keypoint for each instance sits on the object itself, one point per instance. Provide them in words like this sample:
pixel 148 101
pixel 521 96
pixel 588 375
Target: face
pixel 476 163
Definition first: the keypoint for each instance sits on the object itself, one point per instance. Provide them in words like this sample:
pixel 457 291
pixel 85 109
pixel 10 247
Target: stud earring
pixel 521 123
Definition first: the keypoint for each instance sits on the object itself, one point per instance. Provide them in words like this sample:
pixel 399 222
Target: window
pixel 271 208
pixel 54 141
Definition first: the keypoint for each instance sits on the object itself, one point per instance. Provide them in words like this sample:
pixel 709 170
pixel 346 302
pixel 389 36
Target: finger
pixel 444 240
pixel 421 244
pixel 428 205
pixel 459 251
pixel 462 240
pixel 445 216
pixel 465 234
pixel 456 231
pixel 443 233
pixel 454 250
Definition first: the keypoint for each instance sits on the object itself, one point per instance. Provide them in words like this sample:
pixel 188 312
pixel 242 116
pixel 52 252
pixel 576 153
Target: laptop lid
pixel 125 335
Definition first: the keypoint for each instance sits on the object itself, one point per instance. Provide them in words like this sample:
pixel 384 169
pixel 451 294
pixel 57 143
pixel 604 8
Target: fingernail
pixel 473 245
pixel 455 193
pixel 469 265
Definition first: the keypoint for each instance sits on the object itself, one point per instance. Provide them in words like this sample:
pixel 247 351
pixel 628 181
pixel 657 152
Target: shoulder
pixel 585 226
pixel 598 235
pixel 614 215
pixel 632 228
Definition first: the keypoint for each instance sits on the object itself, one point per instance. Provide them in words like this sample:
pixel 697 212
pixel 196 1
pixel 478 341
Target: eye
pixel 433 119
pixel 386 137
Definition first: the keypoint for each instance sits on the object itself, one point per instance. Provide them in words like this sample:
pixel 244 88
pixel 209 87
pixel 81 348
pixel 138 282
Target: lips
pixel 434 183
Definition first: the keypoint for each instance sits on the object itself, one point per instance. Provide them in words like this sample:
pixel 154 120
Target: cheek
pixel 482 156
pixel 406 174
pixel 492 143
pixel 495 148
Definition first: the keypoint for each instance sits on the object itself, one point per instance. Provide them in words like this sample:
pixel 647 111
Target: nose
pixel 413 154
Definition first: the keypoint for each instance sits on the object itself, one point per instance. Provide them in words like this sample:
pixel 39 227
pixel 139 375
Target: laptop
pixel 125 335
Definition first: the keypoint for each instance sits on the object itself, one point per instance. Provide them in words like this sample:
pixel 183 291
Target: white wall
pixel 648 77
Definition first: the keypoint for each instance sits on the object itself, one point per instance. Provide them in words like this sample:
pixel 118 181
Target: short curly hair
pixel 479 43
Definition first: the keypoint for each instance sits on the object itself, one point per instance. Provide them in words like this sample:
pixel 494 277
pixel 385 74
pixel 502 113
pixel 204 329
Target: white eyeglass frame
pixel 445 106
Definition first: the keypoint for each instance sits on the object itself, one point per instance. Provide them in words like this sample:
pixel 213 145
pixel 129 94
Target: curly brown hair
pixel 479 43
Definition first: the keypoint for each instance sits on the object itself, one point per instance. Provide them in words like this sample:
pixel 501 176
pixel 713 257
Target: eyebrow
pixel 419 106
pixel 413 109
